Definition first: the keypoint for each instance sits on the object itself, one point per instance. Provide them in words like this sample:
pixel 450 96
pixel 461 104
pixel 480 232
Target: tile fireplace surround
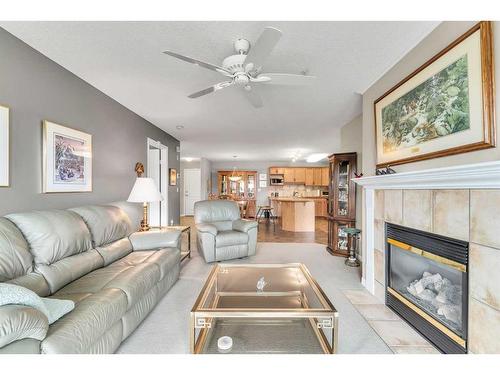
pixel 460 202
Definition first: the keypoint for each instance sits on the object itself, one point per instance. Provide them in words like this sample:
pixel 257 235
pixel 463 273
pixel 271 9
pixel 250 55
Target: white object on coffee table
pixel 225 343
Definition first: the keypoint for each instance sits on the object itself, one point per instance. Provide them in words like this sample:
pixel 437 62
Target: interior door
pixel 192 189
pixel 157 169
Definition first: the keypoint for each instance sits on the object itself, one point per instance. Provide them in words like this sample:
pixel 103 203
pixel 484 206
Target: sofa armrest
pixel 242 225
pixel 19 322
pixel 207 228
pixel 155 239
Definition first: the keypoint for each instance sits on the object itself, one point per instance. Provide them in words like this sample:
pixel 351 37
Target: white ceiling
pixel 124 60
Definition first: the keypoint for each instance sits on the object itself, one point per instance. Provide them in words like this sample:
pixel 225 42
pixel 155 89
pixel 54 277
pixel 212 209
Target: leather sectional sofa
pixel 93 256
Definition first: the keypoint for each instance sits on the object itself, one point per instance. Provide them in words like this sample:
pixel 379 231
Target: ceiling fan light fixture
pixel 314 158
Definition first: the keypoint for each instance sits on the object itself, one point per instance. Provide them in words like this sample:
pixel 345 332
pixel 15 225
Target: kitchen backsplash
pixel 288 190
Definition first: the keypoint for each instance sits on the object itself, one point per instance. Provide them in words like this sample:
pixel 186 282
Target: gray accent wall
pixel 36 88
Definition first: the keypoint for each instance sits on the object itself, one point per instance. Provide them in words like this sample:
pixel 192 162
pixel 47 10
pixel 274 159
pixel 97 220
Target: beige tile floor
pixel 397 334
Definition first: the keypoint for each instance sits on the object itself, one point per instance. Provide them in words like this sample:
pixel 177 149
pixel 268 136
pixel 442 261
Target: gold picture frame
pixel 4 146
pixel 67 159
pixel 173 177
pixel 400 141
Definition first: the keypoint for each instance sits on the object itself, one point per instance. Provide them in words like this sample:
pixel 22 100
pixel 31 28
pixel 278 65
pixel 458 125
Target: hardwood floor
pixel 270 233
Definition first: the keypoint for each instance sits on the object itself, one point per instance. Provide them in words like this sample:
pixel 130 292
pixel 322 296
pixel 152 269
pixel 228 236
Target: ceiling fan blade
pixel 287 79
pixel 253 97
pixel 262 48
pixel 199 63
pixel 218 86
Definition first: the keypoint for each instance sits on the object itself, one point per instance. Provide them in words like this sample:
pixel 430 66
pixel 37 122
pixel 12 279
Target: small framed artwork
pixel 263 184
pixel 4 146
pixel 173 176
pixel 445 107
pixel 262 176
pixel 67 159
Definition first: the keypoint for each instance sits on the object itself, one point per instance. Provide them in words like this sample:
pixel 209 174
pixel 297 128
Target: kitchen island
pixel 297 214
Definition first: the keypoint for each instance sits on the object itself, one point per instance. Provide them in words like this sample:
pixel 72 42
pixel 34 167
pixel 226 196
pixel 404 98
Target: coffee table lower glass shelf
pixel 265 309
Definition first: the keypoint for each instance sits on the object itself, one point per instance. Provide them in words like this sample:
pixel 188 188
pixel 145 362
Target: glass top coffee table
pixel 263 308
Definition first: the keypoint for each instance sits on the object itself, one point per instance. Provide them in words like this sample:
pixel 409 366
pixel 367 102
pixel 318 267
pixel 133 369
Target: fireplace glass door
pixel 433 286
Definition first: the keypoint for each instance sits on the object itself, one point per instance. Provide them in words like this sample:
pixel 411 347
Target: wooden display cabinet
pixel 341 201
pixel 244 190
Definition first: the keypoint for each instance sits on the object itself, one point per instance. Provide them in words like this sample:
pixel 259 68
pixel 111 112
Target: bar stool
pixel 267 213
pixel 353 235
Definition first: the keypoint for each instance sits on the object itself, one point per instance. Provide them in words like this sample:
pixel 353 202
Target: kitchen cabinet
pixel 310 177
pixel 289 175
pixel 324 177
pixel 276 170
pixel 317 177
pixel 300 175
pixel 320 207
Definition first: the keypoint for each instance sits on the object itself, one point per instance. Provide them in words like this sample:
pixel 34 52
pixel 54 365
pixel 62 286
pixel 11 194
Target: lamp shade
pixel 144 190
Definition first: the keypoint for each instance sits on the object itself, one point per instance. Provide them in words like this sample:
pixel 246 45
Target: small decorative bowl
pixel 225 343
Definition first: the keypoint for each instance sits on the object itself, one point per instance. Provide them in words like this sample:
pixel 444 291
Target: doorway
pixel 157 160
pixel 192 189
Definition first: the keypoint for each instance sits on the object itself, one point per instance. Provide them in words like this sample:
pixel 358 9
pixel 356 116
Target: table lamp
pixel 144 191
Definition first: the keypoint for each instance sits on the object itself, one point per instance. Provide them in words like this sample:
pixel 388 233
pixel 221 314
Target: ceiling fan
pixel 244 69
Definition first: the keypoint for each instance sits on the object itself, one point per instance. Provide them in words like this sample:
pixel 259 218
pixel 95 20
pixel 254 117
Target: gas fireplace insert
pixel 427 284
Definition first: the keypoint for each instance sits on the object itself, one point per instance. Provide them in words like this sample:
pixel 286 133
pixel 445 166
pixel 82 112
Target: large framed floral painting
pixel 67 159
pixel 4 146
pixel 445 107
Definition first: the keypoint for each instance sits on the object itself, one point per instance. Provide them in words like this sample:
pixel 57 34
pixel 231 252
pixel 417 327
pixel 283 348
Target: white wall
pixel 436 41
pixel 186 165
pixel 206 181
pixel 351 140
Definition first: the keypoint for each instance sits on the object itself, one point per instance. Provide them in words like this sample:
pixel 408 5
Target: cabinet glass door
pixel 342 240
pixel 223 185
pixel 331 197
pixel 342 199
pixel 251 185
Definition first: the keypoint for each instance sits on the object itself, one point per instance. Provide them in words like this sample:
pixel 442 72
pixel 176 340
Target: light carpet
pixel 165 330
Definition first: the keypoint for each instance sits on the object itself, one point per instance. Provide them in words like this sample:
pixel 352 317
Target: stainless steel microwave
pixel 276 179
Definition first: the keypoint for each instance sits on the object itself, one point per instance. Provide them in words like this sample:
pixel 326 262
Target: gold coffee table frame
pixel 324 318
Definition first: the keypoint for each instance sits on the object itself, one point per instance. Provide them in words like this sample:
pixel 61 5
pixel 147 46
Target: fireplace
pixel 427 284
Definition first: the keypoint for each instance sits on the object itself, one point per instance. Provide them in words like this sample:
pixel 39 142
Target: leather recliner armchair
pixel 221 233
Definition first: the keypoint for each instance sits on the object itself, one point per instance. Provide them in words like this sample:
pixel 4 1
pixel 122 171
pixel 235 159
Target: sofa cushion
pixel 115 250
pixel 134 211
pixel 223 225
pixel 231 252
pixel 107 224
pixel 166 259
pixel 53 234
pixel 15 258
pixel 66 270
pixel 136 281
pixel 230 237
pixel 210 211
pixel 92 282
pixel 92 317
pixel 33 281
